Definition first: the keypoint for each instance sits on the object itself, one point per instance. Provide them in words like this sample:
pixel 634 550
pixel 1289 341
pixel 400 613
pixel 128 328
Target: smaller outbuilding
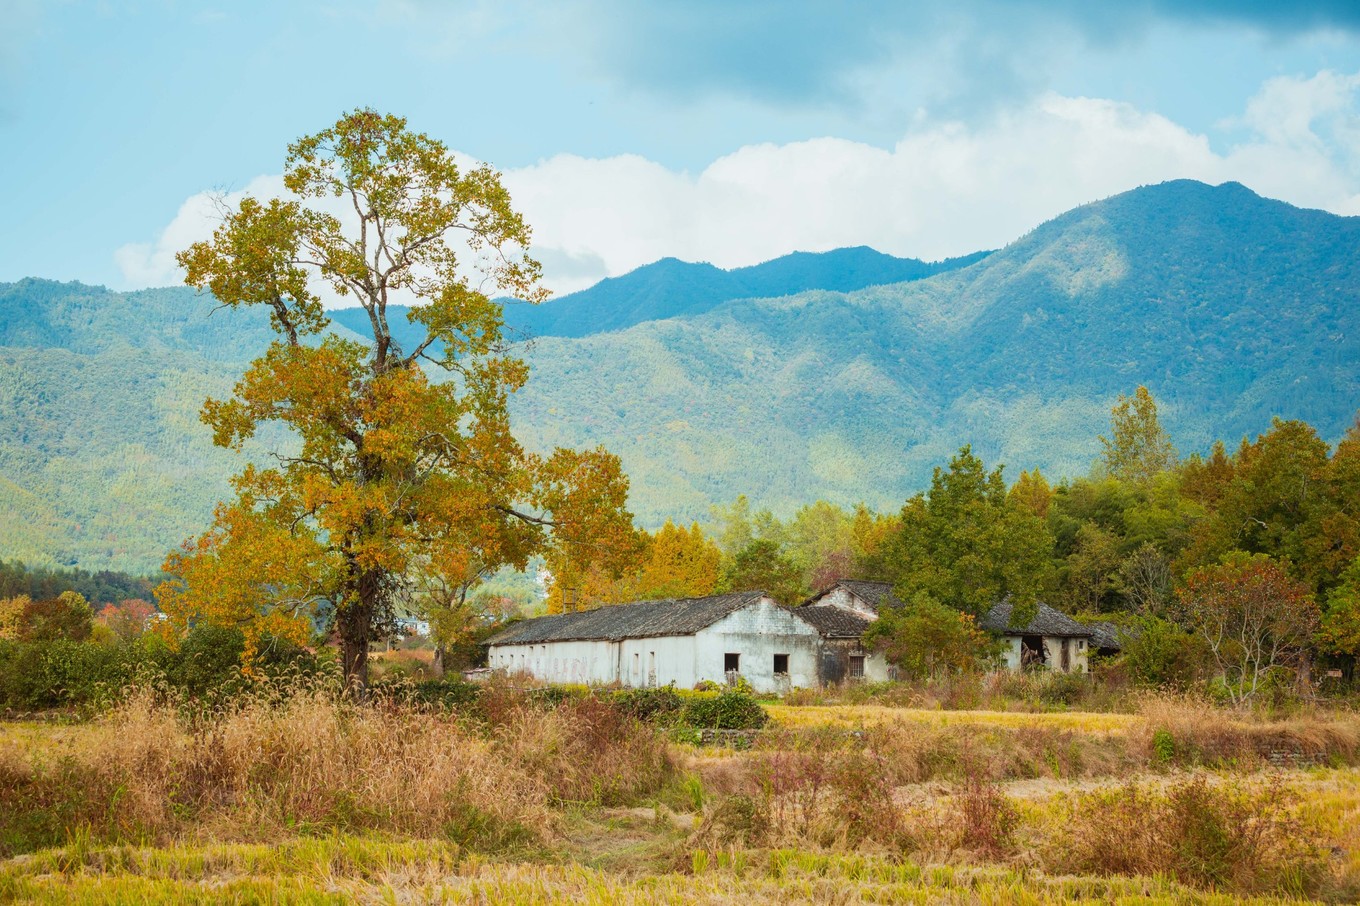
pixel 1107 639
pixel 1052 639
pixel 842 614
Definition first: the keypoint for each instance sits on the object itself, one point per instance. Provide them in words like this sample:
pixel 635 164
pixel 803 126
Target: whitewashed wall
pixel 756 633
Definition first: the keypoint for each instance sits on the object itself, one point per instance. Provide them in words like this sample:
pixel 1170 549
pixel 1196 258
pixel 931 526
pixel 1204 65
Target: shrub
pixel 987 817
pixel 54 674
pixel 1163 746
pixel 658 705
pixel 728 710
pixel 1064 688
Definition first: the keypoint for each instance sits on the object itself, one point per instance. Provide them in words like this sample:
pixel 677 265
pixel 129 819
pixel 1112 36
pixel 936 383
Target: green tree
pixel 1278 502
pixel 965 545
pixel 925 638
pixel 1139 447
pixel 763 565
pixel 1091 580
pixel 392 471
pixel 821 542
pixel 1340 631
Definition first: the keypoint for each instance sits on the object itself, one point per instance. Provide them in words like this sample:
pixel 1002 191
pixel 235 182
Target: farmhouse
pixel 749 635
pixel 1052 639
pixel 655 643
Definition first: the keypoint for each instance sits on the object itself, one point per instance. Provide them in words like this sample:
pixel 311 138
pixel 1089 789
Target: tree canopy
pixel 393 470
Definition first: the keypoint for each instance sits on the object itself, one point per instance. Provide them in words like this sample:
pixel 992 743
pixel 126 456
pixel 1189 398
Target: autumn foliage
pixel 395 474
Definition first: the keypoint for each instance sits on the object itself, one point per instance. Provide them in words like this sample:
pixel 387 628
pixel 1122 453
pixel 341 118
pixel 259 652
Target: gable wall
pixel 757 633
pixel 841 597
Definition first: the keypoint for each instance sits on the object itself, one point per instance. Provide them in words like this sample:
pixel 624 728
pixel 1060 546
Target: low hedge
pixel 663 706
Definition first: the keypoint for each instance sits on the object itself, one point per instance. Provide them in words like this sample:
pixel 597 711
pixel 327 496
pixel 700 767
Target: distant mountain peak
pixel 670 288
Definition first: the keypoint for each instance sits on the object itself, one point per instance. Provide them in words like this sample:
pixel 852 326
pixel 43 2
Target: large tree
pixel 966 545
pixel 392 471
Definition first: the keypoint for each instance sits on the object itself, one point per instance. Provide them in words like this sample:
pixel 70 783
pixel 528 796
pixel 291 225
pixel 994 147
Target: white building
pixel 842 613
pixel 655 643
pixel 749 635
pixel 1051 639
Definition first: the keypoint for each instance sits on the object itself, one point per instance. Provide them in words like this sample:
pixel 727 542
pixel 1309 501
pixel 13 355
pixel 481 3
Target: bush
pixel 55 674
pixel 205 668
pixel 658 705
pixel 729 710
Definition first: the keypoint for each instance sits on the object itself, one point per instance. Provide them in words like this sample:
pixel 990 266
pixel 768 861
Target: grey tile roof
pixel 1047 622
pixel 875 594
pixel 833 622
pixel 643 619
pixel 1105 634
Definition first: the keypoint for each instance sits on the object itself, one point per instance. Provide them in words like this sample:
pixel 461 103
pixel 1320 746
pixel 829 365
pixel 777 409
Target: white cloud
pixel 944 189
pixel 153 263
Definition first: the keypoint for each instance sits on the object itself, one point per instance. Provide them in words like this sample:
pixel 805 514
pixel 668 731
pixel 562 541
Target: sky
pixel 730 131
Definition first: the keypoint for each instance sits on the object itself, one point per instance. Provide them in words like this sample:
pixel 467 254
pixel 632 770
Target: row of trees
pixel 1232 564
pixel 69 617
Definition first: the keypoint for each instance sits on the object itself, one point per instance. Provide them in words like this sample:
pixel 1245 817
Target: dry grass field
pixel 862 716
pixel 308 800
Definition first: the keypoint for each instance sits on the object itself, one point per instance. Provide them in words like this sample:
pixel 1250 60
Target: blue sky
pixel 723 131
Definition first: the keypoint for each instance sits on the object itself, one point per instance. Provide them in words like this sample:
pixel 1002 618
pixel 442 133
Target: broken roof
pixel 1046 622
pixel 875 594
pixel 643 619
pixel 833 622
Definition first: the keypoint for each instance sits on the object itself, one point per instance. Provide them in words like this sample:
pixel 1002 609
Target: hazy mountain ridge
pixel 672 288
pixel 1232 308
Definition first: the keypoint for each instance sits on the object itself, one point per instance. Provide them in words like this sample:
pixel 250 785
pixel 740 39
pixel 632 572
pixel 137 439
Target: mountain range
pixel 672 288
pixel 846 376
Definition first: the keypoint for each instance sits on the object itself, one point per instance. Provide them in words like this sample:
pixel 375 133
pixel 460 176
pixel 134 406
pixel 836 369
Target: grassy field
pixel 862 716
pixel 313 801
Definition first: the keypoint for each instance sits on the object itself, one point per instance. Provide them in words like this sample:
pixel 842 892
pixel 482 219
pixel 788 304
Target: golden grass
pixel 344 869
pixel 852 717
pixel 271 768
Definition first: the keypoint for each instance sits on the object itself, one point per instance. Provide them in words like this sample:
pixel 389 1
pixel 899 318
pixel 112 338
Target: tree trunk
pixel 438 660
pixel 354 654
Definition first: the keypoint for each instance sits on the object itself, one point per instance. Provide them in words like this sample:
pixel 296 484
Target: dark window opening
pixel 856 666
pixel 1032 653
pixel 731 662
pixel 781 665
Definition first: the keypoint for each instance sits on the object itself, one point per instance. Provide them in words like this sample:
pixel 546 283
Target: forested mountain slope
pixel 103 460
pixel 1230 307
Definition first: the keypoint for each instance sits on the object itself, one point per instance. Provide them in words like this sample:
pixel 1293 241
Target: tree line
pixel 1236 563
